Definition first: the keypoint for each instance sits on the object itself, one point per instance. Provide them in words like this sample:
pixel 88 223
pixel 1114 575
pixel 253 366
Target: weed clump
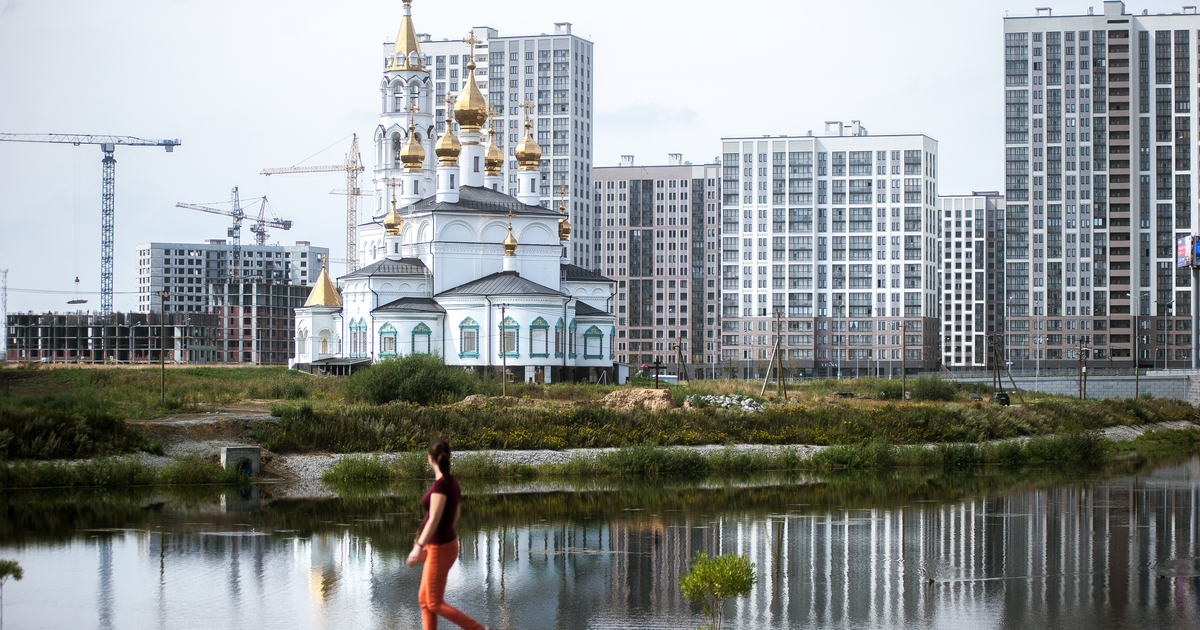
pixel 421 379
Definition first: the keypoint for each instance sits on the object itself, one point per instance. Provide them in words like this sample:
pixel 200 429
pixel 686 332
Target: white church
pixel 453 266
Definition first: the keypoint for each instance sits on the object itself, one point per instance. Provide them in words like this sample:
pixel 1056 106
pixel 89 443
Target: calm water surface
pixel 914 550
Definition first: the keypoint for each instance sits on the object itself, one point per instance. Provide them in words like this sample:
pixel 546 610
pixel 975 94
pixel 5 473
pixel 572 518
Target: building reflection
pixel 1074 556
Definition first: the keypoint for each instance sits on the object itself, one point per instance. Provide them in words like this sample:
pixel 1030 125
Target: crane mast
pixel 108 145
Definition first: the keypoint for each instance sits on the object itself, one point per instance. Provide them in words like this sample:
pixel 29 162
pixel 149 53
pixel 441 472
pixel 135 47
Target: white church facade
pixel 453 266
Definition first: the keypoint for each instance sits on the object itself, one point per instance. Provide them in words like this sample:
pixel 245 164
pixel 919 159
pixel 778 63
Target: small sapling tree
pixel 8 569
pixel 711 581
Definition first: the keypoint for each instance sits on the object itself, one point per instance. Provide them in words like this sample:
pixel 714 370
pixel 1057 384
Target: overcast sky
pixel 250 84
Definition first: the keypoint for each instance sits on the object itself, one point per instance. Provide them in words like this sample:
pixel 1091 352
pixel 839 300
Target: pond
pixel 1115 548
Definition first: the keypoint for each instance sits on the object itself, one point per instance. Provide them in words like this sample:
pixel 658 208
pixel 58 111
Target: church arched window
pixel 539 342
pixel 571 330
pixel 387 341
pixel 397 145
pixel 612 335
pixel 559 340
pixel 420 338
pixel 510 337
pixel 468 334
pixel 593 343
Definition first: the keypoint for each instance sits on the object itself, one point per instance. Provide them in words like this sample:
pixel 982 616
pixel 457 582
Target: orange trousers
pixel 438 560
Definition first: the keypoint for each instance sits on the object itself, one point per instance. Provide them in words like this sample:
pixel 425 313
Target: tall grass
pixel 316 425
pixel 116 472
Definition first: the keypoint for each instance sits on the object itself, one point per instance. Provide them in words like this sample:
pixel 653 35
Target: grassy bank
pixel 1077 449
pixel 312 426
pixel 116 472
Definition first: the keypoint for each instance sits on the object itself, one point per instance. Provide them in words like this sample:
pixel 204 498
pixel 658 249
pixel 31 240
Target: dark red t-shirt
pixel 447 486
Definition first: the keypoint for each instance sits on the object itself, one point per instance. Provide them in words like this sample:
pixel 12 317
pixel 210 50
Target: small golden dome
pixel 392 221
pixel 494 160
pixel 528 152
pixel 448 146
pixel 412 155
pixel 323 293
pixel 564 229
pixel 471 109
pixel 403 57
pixel 510 243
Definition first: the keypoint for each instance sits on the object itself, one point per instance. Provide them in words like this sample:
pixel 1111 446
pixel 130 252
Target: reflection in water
pixel 1117 553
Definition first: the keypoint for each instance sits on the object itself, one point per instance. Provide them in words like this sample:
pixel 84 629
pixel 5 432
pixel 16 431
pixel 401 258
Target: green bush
pixel 886 389
pixel 932 388
pixel 421 379
pixel 711 581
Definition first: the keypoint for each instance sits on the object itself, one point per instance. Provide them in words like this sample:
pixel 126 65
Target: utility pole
pixel 162 349
pixel 4 313
pixel 504 352
pixel 903 360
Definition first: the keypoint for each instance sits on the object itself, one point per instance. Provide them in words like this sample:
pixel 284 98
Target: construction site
pixel 211 303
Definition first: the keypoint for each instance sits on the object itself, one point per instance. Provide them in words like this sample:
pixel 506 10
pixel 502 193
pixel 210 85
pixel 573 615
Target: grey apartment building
pixel 839 235
pixel 658 237
pixel 1099 184
pixel 972 278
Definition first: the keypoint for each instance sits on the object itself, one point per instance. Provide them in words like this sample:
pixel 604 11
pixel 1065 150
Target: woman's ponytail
pixel 439 450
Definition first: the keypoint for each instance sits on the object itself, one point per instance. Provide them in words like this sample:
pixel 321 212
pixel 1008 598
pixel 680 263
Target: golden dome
pixel 412 155
pixel 494 160
pixel 406 44
pixel 564 229
pixel 510 243
pixel 323 292
pixel 471 109
pixel 392 221
pixel 528 153
pixel 448 146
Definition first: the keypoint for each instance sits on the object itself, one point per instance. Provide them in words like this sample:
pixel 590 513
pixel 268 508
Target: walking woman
pixel 437 544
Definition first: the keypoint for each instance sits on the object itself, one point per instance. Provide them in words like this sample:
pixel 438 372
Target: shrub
pixel 887 389
pixel 422 379
pixel 932 388
pixel 711 581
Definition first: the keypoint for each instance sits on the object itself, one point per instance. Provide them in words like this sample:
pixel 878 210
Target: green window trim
pixel 559 339
pixel 387 341
pixel 468 324
pixel 596 334
pixel 541 326
pixel 510 327
pixel 421 330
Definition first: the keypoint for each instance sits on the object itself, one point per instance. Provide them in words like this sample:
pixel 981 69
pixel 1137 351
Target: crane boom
pixel 108 145
pixel 353 168
pixel 77 139
pixel 302 169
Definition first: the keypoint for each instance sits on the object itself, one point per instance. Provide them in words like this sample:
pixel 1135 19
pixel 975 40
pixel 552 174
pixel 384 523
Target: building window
pixel 468 334
pixel 593 343
pixel 510 337
pixel 571 332
pixel 558 339
pixel 420 339
pixel 539 338
pixel 387 341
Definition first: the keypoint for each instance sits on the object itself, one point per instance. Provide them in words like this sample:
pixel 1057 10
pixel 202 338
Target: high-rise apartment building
pixel 184 270
pixel 1099 180
pixel 550 71
pixel 658 236
pixel 838 234
pixel 972 276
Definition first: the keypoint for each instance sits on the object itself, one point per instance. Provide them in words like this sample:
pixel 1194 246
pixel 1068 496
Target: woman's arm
pixel 437 505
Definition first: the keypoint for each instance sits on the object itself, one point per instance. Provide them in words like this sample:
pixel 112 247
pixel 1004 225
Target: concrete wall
pixel 1177 384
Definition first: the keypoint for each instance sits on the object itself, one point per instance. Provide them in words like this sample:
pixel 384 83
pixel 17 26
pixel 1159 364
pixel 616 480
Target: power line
pixel 52 292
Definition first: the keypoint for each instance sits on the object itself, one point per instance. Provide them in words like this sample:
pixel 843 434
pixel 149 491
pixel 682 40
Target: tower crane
pixel 235 232
pixel 353 168
pixel 108 145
